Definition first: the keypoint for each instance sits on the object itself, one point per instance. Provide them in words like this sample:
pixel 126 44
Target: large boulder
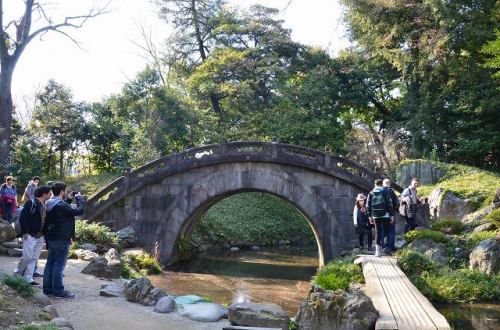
pixel 153 296
pixel 427 173
pixel 437 252
pixel 258 315
pixel 138 289
pixel 89 247
pixel 103 268
pixel 445 205
pixel 127 237
pixel 330 310
pixel 85 255
pixel 112 290
pixel 112 254
pixel 486 257
pixel 7 232
pixel 165 305
pixel 477 216
pixel 203 312
pixel 188 299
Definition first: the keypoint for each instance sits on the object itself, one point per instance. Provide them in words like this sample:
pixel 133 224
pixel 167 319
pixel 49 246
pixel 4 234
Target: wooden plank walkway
pixel 400 304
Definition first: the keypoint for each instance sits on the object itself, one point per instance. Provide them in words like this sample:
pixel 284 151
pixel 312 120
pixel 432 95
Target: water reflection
pixel 275 276
pixel 472 317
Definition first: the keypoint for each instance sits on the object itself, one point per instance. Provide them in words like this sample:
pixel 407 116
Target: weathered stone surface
pixel 51 311
pixel 445 205
pixel 112 290
pixel 128 237
pixel 61 323
pixel 101 267
pixel 41 299
pixel 435 251
pixel 480 214
pixel 7 232
pixel 427 173
pixel 188 299
pixel 153 296
pixel 85 255
pixel 258 315
pixel 165 305
pixel 332 310
pixel 486 257
pixel 89 247
pixel 483 227
pixel 138 289
pixel 203 312
pixel 112 254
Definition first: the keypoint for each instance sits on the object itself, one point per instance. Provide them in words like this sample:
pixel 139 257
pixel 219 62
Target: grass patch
pixel 134 266
pixel 444 285
pixel 473 239
pixel 90 184
pixel 465 182
pixel 338 274
pixel 94 233
pixel 436 236
pixel 20 285
pixel 448 226
pixel 493 218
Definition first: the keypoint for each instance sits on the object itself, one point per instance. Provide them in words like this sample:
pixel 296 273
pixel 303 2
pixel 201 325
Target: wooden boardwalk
pixel 398 301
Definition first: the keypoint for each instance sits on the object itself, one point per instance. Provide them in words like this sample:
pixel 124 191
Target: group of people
pixel 46 217
pixel 377 211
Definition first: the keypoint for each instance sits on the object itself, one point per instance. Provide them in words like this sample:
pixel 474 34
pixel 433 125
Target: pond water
pixel 272 276
pixel 472 317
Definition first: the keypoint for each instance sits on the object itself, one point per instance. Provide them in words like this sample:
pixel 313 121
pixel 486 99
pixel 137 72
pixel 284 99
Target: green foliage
pixel 338 274
pixel 74 246
pixel 492 48
pixel 493 218
pixel 426 233
pixel 414 263
pixel 94 233
pixel 20 285
pixel 473 239
pixel 448 226
pixel 88 185
pixel 134 266
pixel 252 217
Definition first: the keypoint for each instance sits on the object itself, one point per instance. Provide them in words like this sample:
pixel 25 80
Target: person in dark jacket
pixel 362 222
pixel 32 221
pixel 59 231
pixel 381 213
pixel 391 235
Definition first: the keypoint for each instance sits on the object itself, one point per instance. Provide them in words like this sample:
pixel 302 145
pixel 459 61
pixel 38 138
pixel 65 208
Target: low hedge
pixel 338 274
pixel 426 233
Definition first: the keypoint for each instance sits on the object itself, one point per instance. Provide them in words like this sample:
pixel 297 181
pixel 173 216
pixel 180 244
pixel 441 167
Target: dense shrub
pixel 94 233
pixel 426 233
pixel 414 263
pixel 448 226
pixel 134 266
pixel 338 274
pixel 20 285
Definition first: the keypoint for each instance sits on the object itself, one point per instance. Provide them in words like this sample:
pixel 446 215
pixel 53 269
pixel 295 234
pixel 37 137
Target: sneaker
pixel 34 283
pixel 377 251
pixel 37 274
pixel 65 295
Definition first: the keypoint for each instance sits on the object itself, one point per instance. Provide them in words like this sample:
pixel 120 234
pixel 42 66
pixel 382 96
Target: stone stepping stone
pixel 188 299
pixel 203 312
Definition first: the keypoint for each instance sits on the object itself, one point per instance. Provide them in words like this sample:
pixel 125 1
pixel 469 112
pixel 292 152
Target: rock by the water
pixel 258 315
pixel 332 310
pixel 437 252
pixel 445 205
pixel 235 248
pixel 51 311
pixel 7 232
pixel 203 312
pixel 127 237
pixel 89 247
pixel 112 254
pixel 153 296
pixel 189 299
pixel 138 289
pixel 112 290
pixel 101 267
pixel 61 323
pixel 165 305
pixel 85 255
pixel 486 257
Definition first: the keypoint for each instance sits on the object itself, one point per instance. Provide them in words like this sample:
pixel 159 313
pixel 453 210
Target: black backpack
pixel 378 204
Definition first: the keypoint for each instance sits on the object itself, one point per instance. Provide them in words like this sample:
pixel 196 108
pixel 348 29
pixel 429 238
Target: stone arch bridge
pixel 163 199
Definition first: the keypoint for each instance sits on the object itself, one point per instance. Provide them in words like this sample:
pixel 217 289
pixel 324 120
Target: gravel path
pixel 89 311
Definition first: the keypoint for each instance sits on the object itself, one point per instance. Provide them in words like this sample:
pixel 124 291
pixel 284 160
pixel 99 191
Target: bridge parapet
pixel 242 151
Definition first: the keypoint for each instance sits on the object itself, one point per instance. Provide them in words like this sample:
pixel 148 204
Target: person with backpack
pixel 409 202
pixel 29 191
pixel 32 220
pixel 8 199
pixel 362 222
pixel 391 235
pixel 380 212
pixel 59 231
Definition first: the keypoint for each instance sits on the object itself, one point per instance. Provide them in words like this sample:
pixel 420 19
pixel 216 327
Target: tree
pixel 15 36
pixel 58 121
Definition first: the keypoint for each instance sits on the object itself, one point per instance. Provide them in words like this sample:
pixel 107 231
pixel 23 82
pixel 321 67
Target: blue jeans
pixel 391 237
pixel 7 210
pixel 54 268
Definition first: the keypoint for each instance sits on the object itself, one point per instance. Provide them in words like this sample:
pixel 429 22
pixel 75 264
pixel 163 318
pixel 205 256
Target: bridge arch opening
pixel 280 204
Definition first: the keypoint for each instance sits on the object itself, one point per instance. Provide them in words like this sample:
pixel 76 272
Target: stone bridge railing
pixel 177 162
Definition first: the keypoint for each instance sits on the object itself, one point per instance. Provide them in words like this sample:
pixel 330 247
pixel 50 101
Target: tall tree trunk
pixel 61 164
pixel 6 109
pixel 384 161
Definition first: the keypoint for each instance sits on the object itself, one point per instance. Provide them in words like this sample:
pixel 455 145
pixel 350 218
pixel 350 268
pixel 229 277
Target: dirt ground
pixel 89 311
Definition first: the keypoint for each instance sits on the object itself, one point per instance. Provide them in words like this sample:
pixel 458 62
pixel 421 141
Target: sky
pixel 108 58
